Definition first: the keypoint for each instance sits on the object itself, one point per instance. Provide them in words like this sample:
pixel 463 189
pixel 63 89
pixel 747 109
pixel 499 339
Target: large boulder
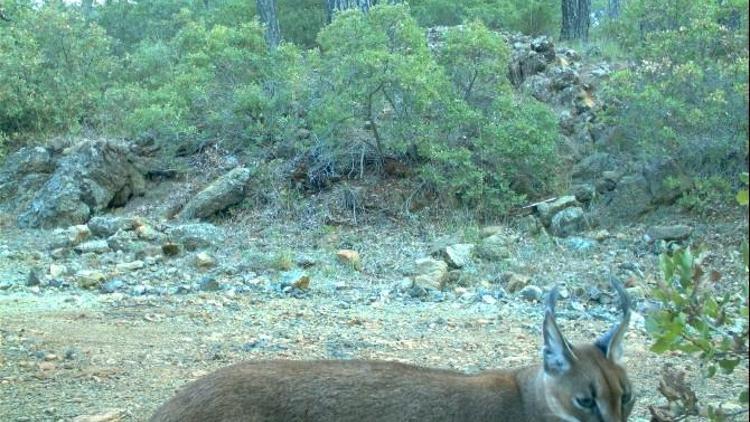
pixel 90 176
pixel 630 199
pixel 567 222
pixel 666 180
pixel 547 210
pixel 24 172
pixel 224 192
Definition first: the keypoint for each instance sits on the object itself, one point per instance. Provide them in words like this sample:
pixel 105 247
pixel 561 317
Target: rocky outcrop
pixel 224 192
pixel 66 184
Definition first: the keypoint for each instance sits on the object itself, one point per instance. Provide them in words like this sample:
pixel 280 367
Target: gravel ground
pixel 67 352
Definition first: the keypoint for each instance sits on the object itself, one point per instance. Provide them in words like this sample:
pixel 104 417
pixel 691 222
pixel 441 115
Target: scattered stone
pixel 57 270
pixel 489 299
pixel 106 226
pixel 431 273
pixel 579 244
pixel 183 289
pixel 567 222
pixel 89 279
pixel 125 241
pixel 350 257
pixel 224 192
pixel 458 255
pixel 130 266
pixel 602 235
pixel 295 280
pixel 531 293
pixel 112 286
pixel 204 260
pixel 209 284
pixel 59 253
pixel 139 290
pixel 108 416
pixel 33 278
pixel 529 225
pixel 403 285
pixel 494 248
pixel 584 193
pixel 70 236
pixel 98 246
pixel 547 210
pixel 673 232
pixel 146 232
pixel 170 249
pixel 196 236
pixel 514 282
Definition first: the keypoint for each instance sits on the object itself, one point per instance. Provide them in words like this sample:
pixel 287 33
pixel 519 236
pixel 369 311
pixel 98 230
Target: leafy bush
pixel 527 16
pixel 688 95
pixel 699 317
pixel 53 68
pixel 473 143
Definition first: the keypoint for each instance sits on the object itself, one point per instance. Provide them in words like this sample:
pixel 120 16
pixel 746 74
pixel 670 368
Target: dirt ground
pixel 69 353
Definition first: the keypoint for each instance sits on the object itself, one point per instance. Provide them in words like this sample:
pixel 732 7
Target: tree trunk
pixel 613 8
pixel 86 7
pixel 267 13
pixel 575 20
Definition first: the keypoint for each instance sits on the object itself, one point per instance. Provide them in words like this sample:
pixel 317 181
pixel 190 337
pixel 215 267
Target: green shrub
pixel 472 142
pixel 699 317
pixel 688 94
pixel 531 17
pixel 53 69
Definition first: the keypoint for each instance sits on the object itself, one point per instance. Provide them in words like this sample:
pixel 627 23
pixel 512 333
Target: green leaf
pixel 711 371
pixel 744 397
pixel 742 197
pixel 728 365
pixel 661 345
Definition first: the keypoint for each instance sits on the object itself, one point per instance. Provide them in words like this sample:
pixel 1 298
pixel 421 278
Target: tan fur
pixel 362 391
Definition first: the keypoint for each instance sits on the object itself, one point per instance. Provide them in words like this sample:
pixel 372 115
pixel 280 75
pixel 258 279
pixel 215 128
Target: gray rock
pixel 666 180
pixel 630 199
pixel 224 192
pixel 111 286
pixel 90 176
pixel 34 277
pixel 209 284
pixel 529 225
pixel 458 255
pixel 593 165
pixel 567 222
pixel 531 293
pixel 195 236
pixel 97 246
pixel 124 241
pixel 22 174
pixel 430 273
pixel 547 210
pixel 580 244
pixel 494 248
pixel 105 226
pixel 514 281
pixel 673 232
pixel 584 193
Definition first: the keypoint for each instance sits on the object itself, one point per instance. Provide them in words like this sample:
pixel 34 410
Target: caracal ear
pixel 611 342
pixel 557 353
